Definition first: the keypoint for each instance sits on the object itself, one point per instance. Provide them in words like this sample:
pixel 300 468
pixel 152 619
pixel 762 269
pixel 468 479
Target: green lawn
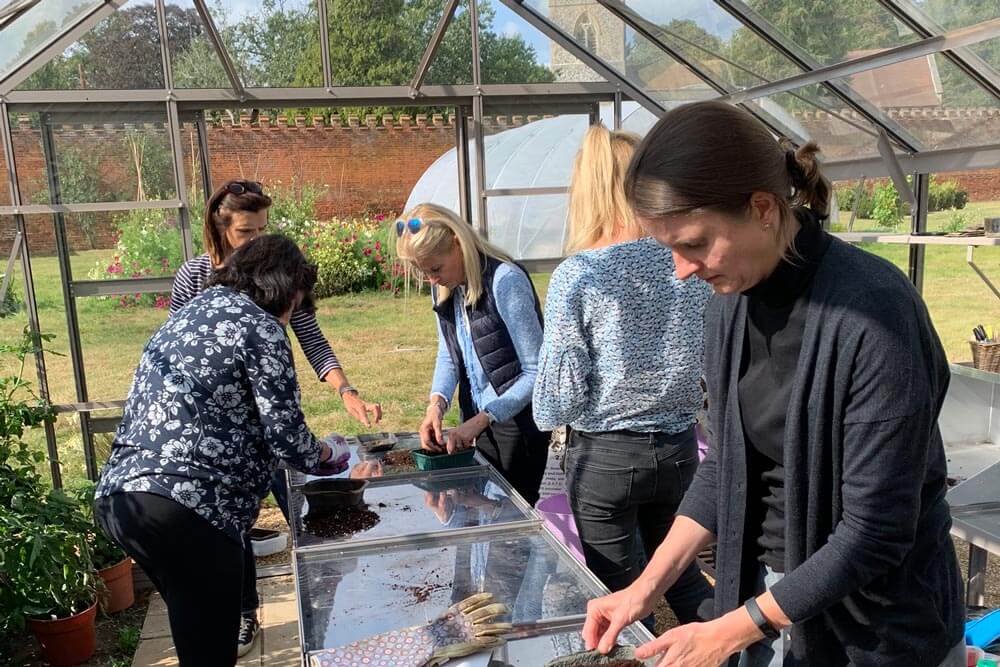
pixel 387 344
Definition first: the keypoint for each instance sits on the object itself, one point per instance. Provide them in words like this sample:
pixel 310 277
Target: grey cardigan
pixel 871 573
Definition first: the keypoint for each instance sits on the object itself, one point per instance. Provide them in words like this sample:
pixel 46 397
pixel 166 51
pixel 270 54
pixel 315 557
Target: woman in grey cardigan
pixel 825 486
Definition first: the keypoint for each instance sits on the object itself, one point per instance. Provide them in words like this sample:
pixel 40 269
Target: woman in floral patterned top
pixel 213 406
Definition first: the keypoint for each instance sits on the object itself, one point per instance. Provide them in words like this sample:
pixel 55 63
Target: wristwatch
pixel 757 616
pixel 346 388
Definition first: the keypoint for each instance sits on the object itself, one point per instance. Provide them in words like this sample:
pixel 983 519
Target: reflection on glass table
pixel 392 463
pixel 441 501
pixel 346 598
pixel 536 651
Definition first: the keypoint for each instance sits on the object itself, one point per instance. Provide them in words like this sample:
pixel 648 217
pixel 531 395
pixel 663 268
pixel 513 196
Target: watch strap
pixel 346 388
pixel 757 616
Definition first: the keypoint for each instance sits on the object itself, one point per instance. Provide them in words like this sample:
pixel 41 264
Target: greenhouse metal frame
pixel 900 153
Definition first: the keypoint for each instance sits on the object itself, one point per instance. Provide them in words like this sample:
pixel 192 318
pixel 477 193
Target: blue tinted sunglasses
pixel 413 224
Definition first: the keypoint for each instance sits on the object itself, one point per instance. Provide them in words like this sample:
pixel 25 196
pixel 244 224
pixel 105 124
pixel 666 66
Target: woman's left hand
pixel 364 412
pixel 464 435
pixel 694 645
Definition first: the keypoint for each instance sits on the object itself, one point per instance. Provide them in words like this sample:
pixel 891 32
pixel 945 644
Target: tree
pixel 121 52
pixel 683 34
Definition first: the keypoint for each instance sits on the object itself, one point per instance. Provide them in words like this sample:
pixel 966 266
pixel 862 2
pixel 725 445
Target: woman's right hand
pixel 609 615
pixel 431 437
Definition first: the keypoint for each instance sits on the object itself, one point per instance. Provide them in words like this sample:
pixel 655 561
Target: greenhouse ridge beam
pixel 220 48
pixel 66 39
pixel 925 47
pixel 770 34
pixel 919 22
pixel 556 34
pixel 432 47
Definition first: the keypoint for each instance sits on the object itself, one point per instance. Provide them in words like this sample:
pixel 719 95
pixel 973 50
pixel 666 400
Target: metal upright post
pixel 30 302
pixel 477 124
pixel 66 271
pixel 462 155
pixel 618 109
pixel 203 156
pixel 918 225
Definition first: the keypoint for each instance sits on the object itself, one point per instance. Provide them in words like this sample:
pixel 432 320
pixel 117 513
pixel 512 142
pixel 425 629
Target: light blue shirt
pixel 624 342
pixel 515 299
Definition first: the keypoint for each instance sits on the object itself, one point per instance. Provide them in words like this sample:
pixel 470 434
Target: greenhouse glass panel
pixel 832 31
pixel 439 502
pixel 121 52
pixel 193 60
pixel 36 28
pixel 515 51
pixel 841 134
pixel 346 597
pixel 106 157
pixel 274 43
pixel 639 60
pixel 955 14
pixel 718 43
pixel 28 158
pixel 933 100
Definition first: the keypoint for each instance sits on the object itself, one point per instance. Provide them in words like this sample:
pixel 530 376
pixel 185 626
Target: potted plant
pixel 114 567
pixel 47 577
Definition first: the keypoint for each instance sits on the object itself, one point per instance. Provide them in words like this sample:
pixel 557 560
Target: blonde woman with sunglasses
pixel 489 333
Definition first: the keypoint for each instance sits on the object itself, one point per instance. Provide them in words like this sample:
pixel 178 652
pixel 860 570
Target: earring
pixel 767 225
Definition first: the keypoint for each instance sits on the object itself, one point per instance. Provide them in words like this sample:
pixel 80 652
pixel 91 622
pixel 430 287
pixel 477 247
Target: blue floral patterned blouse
pixel 624 341
pixel 214 404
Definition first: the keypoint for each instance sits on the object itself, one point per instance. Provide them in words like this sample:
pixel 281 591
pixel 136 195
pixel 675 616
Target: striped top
pixel 191 279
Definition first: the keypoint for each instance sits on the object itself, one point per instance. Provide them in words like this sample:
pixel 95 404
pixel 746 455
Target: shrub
pixel 944 196
pixel 845 200
pixel 887 209
pixel 349 256
pixel 11 303
pixel 957 223
pixel 149 245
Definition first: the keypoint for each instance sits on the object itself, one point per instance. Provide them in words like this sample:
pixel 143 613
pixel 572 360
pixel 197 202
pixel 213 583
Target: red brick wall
pixel 363 166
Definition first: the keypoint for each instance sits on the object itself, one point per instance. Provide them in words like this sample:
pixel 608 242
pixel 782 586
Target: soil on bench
pixel 341 522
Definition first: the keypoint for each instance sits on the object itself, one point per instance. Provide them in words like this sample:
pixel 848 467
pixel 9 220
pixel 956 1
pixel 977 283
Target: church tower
pixel 594 28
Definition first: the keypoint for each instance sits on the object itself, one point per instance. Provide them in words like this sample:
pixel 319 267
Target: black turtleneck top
pixel 776 316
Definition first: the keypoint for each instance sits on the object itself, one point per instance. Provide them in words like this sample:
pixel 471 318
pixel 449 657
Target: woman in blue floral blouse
pixel 213 406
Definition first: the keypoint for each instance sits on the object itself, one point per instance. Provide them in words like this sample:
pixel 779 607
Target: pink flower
pixel 380 217
pixel 378 245
pixel 367 252
pixel 378 258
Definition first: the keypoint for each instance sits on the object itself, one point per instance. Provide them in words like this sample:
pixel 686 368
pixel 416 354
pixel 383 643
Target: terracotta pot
pixel 67 641
pixel 120 590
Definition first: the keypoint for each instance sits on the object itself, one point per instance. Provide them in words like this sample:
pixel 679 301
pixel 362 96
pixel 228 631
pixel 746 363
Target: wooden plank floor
pixel 277 644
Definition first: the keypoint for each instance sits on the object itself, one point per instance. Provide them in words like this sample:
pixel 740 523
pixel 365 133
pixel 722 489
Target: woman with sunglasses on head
pixel 235 214
pixel 825 483
pixel 620 364
pixel 489 331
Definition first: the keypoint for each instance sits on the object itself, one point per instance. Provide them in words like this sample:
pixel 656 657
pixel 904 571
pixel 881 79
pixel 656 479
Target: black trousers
pixel 519 451
pixel 622 481
pixel 196 567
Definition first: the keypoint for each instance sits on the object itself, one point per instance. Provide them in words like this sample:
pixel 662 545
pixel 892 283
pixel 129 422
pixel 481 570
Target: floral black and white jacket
pixel 213 406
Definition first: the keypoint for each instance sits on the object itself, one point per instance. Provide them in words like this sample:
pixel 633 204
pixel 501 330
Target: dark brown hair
pixel 219 214
pixel 714 156
pixel 272 271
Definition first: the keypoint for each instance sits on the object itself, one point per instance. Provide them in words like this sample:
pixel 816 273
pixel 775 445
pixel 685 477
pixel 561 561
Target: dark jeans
pixel 196 567
pixel 622 481
pixel 519 451
pixel 251 599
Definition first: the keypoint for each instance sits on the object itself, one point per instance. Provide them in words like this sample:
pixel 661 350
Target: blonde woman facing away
pixel 620 365
pixel 489 331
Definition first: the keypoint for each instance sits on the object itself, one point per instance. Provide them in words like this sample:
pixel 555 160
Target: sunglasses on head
pixel 413 225
pixel 241 187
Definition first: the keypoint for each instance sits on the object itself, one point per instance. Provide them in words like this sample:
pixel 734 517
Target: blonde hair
pixel 439 226
pixel 597 202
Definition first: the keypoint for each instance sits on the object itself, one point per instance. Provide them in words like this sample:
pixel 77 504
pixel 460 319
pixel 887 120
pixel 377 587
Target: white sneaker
pixel 249 629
